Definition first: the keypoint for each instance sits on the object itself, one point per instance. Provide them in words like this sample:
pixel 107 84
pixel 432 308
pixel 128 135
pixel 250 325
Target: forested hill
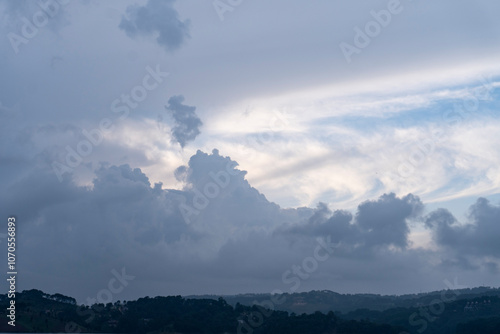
pixel 44 313
pixel 437 313
pixel 325 300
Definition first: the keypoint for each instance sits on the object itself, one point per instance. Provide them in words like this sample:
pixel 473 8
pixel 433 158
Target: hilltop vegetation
pixel 473 311
pixel 39 312
pixel 325 300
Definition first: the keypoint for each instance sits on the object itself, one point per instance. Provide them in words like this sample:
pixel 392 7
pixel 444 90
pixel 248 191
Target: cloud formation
pixel 187 123
pixel 157 17
pixel 382 223
pixel 468 243
pixel 350 130
pixel 233 239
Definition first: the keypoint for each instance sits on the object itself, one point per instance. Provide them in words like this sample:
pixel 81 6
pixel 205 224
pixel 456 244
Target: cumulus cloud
pixel 157 17
pixel 385 221
pixel 477 238
pixel 216 232
pixel 223 234
pixel 122 218
pixel 380 223
pixel 187 123
pixel 220 201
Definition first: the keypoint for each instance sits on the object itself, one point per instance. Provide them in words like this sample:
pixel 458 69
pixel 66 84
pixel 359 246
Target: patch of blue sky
pixel 439 112
pixel 459 207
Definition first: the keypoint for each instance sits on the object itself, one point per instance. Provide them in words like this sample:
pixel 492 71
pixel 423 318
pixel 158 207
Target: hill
pixel 325 300
pixel 441 312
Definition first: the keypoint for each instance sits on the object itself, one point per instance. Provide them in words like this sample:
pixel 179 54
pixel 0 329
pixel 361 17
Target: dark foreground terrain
pixel 458 311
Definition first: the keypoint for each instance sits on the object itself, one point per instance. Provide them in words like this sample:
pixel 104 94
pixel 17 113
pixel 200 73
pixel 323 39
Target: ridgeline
pixel 449 311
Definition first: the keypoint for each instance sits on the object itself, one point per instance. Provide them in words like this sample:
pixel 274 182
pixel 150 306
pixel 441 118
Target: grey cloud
pixel 187 122
pixel 260 257
pixel 385 221
pixel 123 219
pixel 238 242
pixel 492 267
pixel 17 7
pixel 379 223
pixel 157 17
pixel 236 201
pixel 441 220
pixel 478 237
pixel 486 218
pixel 180 173
pixel 18 10
pixel 118 221
pixel 324 222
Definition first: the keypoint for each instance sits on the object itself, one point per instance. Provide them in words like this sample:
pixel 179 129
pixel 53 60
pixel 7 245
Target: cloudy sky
pixel 236 146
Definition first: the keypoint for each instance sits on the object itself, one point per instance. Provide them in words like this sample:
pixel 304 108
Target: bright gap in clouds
pixel 431 133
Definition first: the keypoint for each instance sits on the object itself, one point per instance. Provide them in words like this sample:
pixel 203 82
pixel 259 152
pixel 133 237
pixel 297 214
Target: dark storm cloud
pixel 157 17
pixel 384 222
pixel 86 232
pixel 122 219
pixel 72 233
pixel 187 123
pixel 235 200
pixel 236 239
pixel 379 223
pixel 324 222
pixel 477 237
pixel 121 198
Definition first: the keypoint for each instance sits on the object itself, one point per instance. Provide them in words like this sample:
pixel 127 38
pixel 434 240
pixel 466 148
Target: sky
pixel 165 147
